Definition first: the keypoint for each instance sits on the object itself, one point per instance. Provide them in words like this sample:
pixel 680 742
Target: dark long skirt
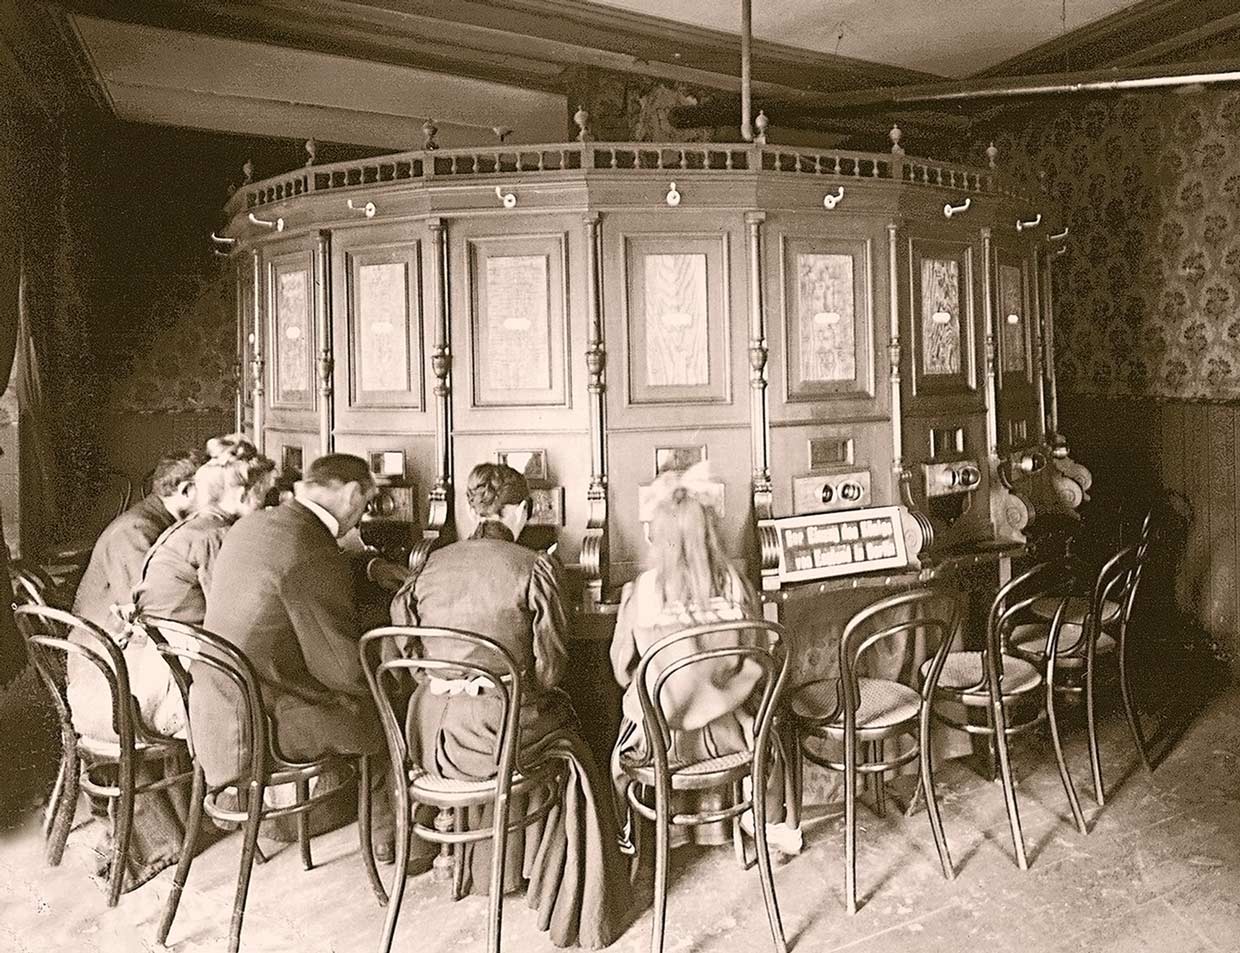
pixel 578 879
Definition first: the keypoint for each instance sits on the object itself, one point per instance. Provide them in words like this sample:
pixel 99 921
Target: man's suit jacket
pixel 282 593
pixel 116 561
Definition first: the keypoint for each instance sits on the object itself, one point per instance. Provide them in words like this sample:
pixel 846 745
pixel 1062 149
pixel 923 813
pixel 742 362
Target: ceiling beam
pixel 1010 88
pixel 1112 39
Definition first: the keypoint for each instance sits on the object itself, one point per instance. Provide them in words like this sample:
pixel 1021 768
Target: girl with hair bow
pixel 689 580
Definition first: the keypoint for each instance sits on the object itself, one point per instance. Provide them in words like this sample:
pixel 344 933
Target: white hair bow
pixel 699 482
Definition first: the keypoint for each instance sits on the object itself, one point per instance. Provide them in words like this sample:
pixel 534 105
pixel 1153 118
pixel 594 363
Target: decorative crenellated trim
pixel 594 542
pixel 759 423
pixel 257 367
pixel 323 329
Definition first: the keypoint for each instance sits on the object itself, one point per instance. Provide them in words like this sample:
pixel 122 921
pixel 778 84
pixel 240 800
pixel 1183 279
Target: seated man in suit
pixel 282 593
pixel 115 567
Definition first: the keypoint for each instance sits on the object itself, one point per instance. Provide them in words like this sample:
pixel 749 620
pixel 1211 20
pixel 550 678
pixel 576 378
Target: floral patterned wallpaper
pixel 1148 294
pixel 187 364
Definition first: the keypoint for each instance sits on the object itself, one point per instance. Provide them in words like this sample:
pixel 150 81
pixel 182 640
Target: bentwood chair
pixel 763 643
pixel 1014 695
pixel 185 647
pixel 1092 625
pixel 854 710
pixel 87 762
pixel 31 585
pixel 493 670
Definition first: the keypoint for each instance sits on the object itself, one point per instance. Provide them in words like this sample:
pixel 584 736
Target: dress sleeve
pixel 624 654
pixel 550 624
pixel 404 607
pixel 205 551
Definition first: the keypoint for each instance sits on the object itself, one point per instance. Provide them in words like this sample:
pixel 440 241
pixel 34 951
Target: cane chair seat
pixel 1078 606
pixel 963 675
pixel 816 702
pixel 694 775
pixel 1028 641
pixel 884 704
pixel 428 788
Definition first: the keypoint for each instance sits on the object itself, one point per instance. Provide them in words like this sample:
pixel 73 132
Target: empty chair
pixel 654 776
pixel 186 647
pixel 457 660
pixel 1094 623
pixel 1013 692
pixel 84 759
pixel 855 710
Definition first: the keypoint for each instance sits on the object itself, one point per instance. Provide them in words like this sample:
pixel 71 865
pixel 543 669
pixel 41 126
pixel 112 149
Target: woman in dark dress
pixel 488 584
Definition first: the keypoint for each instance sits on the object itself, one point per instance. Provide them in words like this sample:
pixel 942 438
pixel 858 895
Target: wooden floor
pixel 1160 870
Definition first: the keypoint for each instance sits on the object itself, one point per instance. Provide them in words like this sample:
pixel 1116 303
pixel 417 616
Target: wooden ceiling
pixel 370 71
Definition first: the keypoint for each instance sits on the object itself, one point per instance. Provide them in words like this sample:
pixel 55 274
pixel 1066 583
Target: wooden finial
pixel 429 131
pixel 501 132
pixel 760 123
pixel 992 153
pixel 312 151
pixel 582 119
pixel 895 136
pixel 247 172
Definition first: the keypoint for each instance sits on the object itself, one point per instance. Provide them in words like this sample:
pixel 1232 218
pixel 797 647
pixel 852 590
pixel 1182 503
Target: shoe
pixel 385 852
pixel 779 837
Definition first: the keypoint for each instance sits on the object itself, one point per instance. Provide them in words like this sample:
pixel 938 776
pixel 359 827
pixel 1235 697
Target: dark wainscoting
pixel 1140 449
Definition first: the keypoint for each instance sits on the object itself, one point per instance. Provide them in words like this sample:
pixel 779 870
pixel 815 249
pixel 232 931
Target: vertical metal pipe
pixel 746 80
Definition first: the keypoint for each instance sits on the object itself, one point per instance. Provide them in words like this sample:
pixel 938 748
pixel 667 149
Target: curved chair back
pixel 936 613
pixel 182 644
pixel 1012 603
pixel 1118 582
pixel 48 632
pixel 766 646
pixel 31 585
pixel 384 657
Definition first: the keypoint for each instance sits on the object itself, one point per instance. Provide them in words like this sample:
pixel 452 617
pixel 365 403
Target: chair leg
pixel 122 826
pixel 303 824
pixel 66 807
pixel 850 822
pixel 458 856
pixel 794 772
pixel 763 851
pixel 637 827
pixel 880 780
pixel 1095 756
pixel 399 876
pixel 1130 710
pixel 441 867
pixel 999 725
pixel 662 847
pixel 1065 775
pixel 192 825
pixel 499 847
pixel 53 800
pixel 911 808
pixel 364 811
pixel 925 782
pixel 738 835
pixel 249 845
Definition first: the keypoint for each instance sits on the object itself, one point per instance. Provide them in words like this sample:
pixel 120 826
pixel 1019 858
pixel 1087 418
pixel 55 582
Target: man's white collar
pixel 332 524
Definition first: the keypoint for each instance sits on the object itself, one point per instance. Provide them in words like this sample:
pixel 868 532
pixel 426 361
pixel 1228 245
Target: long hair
pixel 688 560
pixel 234 461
